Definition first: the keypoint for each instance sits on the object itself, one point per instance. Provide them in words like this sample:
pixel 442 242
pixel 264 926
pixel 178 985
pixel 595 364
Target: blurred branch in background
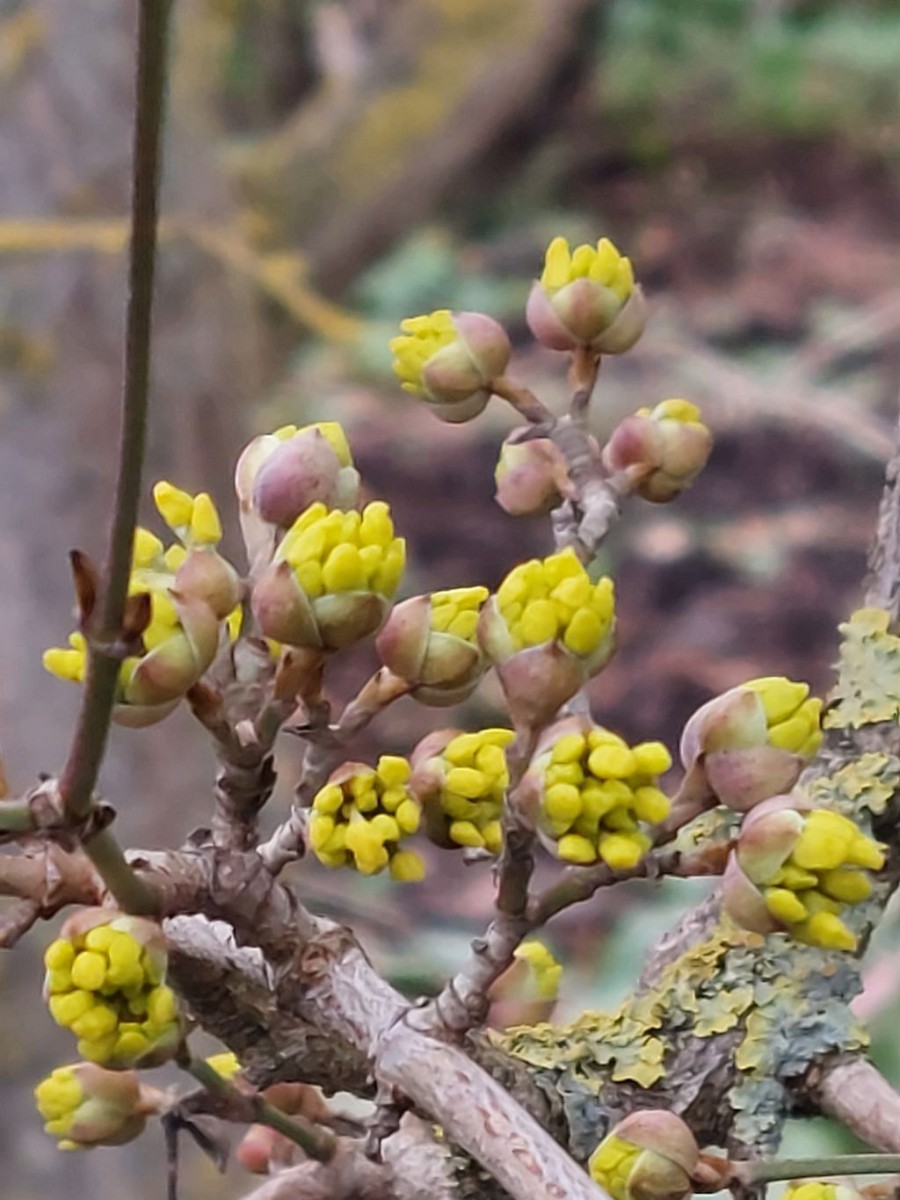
pixel 368 154
pixel 279 276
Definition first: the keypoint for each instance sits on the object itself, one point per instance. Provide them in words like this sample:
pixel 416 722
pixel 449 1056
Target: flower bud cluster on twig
pixel 322 572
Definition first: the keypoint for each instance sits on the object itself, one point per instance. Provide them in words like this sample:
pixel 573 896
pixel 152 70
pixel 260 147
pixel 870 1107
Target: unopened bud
pixel 663 450
pixel 650 1155
pixel 531 477
pixel 796 869
pixel 301 470
pixel 429 642
pixel 547 631
pixel 751 742
pixel 526 993
pixel 586 298
pixel 206 575
pixel 449 360
pixel 279 475
pixel 84 1105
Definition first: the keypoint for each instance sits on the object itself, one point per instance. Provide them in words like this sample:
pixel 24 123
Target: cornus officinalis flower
pixel 429 642
pixel 547 630
pixel 332 577
pixel 797 870
pixel 751 742
pixel 593 795
pixel 360 817
pixel 650 1155
pixel 84 1105
pixel 449 360
pixel 106 982
pixel 662 450
pixel 460 779
pixel 586 298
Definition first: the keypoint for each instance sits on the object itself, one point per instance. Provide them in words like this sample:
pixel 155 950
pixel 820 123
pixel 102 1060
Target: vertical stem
pixel 89 742
pixel 149 97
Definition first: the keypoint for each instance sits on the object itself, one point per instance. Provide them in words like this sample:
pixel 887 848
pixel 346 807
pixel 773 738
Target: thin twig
pixel 88 747
pixel 463 1001
pixel 752 1174
pixel 16 921
pixel 317 1143
pixel 580 883
pixel 89 743
pixel 15 816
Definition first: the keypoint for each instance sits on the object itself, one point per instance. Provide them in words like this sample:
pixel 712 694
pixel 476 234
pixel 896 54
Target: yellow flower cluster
pixel 71 663
pixel 611 1165
pixel 474 786
pixel 597 792
pixel 108 989
pixel 456 612
pixel 792 716
pixel 335 551
pixel 359 818
pixel 422 337
pixel 541 601
pixel 821 876
pixel 604 265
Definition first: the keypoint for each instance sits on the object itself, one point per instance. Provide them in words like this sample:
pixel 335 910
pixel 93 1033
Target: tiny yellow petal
pixel 89 970
pixel 206 528
pixel 175 506
pixel 407 867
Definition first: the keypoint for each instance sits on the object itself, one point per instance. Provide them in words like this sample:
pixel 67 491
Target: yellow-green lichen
pixel 866 783
pixel 869 672
pixel 782 1006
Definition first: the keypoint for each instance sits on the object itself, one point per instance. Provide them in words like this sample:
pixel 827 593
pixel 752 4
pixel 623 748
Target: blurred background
pixel 334 166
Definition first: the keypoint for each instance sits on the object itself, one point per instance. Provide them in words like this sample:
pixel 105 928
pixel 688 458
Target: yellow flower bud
pixel 586 298
pixel 332 578
pixel 103 972
pixel 360 817
pixel 429 642
pixel 595 796
pixel 660 451
pixel 83 1105
pixel 751 742
pixel 450 359
pixel 650 1155
pixel 460 779
pixel 797 871
pixel 547 630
